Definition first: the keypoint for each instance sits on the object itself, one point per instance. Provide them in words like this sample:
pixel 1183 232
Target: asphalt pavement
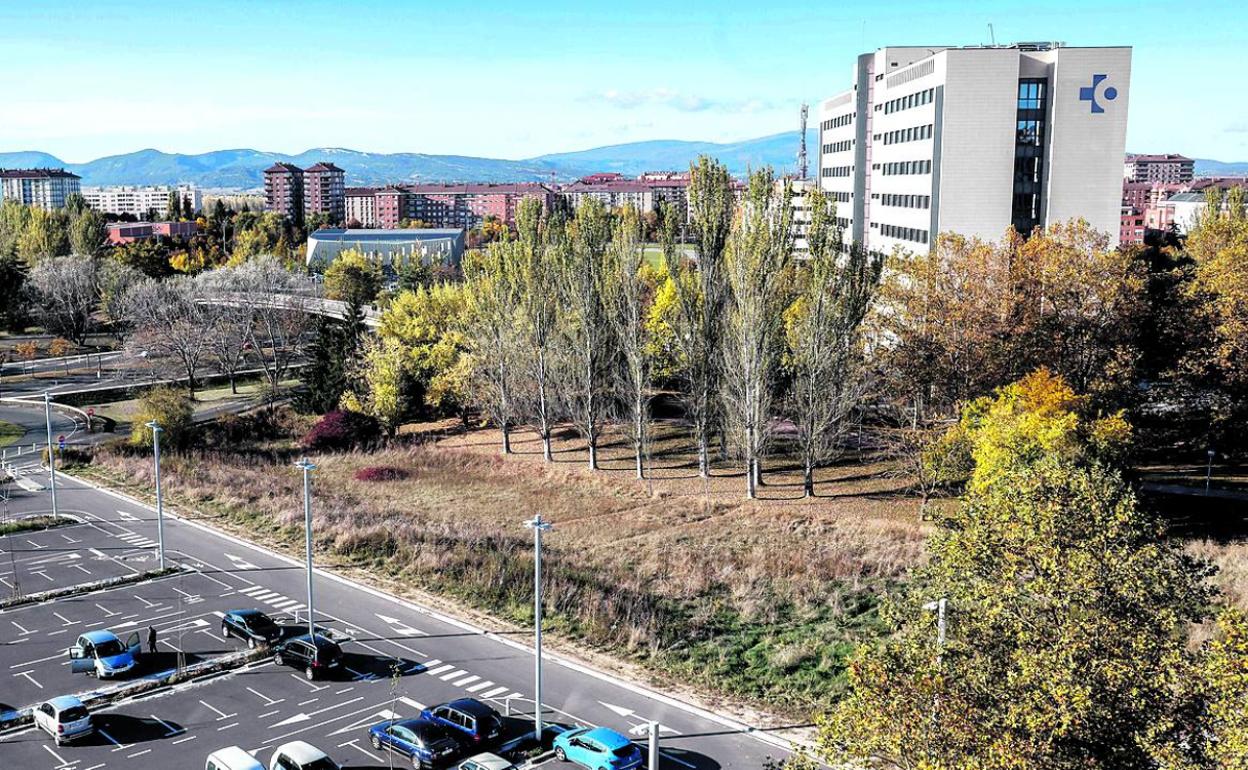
pixel 399 656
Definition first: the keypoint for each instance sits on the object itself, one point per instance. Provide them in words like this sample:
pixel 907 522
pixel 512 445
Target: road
pixel 399 656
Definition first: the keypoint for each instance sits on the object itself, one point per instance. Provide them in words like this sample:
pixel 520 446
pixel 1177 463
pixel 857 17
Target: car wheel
pixel 561 755
pixel 225 631
pixel 277 658
pixel 373 739
pixel 310 673
pixel 251 643
pixel 418 765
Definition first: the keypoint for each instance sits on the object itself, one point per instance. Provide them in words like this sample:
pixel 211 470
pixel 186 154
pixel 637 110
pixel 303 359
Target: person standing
pixel 151 639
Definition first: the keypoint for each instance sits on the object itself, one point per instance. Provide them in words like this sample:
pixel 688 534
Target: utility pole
pixel 47 421
pixel 160 499
pixel 538 526
pixel 803 165
pixel 307 469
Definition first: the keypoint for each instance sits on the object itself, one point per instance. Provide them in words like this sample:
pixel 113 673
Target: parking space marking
pixel 226 727
pixel 183 740
pixel 221 714
pixel 60 760
pixel 353 744
pixel 25 631
pixel 306 702
pixel 172 730
pixel 309 684
pixel 33 681
pixel 64 620
pixel 268 701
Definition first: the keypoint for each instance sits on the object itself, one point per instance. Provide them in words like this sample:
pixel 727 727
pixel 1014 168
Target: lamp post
pixel 160 498
pixel 1209 469
pixel 307 469
pixel 47 421
pixel 538 526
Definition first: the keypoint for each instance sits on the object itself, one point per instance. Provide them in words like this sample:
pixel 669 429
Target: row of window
pixel 907 201
pixel 906 102
pixel 905 167
pixel 842 222
pixel 842 146
pixel 843 120
pixel 838 171
pixel 903 233
pixel 842 197
pixel 911 134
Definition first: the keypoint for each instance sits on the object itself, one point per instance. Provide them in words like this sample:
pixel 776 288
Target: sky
pixel 516 79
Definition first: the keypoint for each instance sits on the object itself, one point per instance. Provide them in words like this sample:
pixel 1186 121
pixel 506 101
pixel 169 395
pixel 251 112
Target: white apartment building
pixel 138 200
pixel 935 139
pixel 46 188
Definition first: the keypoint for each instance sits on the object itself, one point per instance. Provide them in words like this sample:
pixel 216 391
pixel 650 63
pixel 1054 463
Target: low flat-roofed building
pixel 129 232
pixel 389 248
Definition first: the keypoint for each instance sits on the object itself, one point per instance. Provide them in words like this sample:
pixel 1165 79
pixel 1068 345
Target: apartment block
pixel 1166 169
pixel 137 200
pixel 324 191
pixel 973 140
pixel 283 190
pixel 46 188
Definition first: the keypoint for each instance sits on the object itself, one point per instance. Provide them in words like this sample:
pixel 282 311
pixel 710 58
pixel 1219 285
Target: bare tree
pixel 169 326
pixel 278 310
pixel 227 326
pixel 700 294
pixel 825 354
pixel 539 249
pixel 115 280
pixel 757 269
pixel 629 298
pixel 587 336
pixel 492 333
pixel 65 292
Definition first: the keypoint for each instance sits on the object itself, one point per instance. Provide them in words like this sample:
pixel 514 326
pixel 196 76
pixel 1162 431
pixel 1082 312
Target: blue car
pixel 597 748
pixel 426 742
pixel 103 654
pixel 477 723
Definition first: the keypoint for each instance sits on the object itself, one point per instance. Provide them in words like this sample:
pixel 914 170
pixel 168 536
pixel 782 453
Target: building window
pixel 1029 154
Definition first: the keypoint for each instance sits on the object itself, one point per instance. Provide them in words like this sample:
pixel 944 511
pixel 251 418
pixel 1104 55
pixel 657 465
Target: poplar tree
pixel 629 298
pixel 538 251
pixel 757 266
pixel 492 332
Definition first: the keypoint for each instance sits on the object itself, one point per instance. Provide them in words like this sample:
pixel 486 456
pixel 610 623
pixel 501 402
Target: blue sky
pixel 516 79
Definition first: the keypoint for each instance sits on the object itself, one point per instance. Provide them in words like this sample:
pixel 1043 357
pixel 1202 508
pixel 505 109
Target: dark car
pixel 252 626
pixel 425 741
pixel 479 723
pixel 316 655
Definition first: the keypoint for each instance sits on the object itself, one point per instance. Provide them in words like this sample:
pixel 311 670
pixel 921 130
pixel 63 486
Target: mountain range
pixel 243 169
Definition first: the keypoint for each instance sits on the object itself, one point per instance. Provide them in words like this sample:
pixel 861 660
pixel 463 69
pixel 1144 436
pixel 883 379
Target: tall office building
pixel 47 188
pixel 973 140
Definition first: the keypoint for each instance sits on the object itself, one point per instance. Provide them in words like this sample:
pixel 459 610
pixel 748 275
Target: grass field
pixel 10 433
pixel 759 600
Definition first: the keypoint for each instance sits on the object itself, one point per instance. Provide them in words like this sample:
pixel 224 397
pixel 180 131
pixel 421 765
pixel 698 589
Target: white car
pixel 64 718
pixel 486 761
pixel 298 755
pixel 232 758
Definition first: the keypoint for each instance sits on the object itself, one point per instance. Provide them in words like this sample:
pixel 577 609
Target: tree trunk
pixel 639 428
pixel 506 430
pixel 704 460
pixel 751 489
pixel 233 385
pixel 808 479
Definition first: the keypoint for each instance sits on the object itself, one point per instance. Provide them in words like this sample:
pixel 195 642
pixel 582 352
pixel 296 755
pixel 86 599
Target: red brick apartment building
pixel 299 193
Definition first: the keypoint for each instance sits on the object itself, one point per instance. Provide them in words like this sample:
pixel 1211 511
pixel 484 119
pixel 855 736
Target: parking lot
pixel 398 657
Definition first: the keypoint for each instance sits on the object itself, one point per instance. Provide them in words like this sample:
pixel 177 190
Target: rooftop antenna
pixel 802 165
pixel 992 35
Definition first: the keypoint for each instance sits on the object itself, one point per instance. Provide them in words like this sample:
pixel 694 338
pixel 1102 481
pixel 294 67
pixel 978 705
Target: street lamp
pixel 307 469
pixel 160 498
pixel 47 421
pixel 538 526
pixel 1209 469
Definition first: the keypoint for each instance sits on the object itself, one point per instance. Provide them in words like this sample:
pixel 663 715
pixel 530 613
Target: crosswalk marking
pixel 480 686
pixel 251 590
pixel 494 693
pixel 466 680
pixel 438 670
pixel 454 674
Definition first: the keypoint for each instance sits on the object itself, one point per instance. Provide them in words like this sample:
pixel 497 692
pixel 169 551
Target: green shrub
pixel 171 409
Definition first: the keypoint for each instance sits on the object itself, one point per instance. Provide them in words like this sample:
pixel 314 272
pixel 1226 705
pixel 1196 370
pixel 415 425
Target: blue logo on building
pixel 1088 93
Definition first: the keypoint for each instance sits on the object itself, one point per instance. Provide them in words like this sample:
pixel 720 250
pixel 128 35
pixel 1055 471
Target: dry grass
pixel 758 599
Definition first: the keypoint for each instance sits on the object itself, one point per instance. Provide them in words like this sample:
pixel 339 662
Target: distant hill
pixel 1206 167
pixel 243 169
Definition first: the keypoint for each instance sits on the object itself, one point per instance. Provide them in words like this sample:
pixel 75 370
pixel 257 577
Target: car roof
pixel 420 724
pixel 490 761
pixel 471 706
pixel 607 737
pixel 235 757
pixel 320 640
pixel 300 751
pixel 101 635
pixel 245 613
pixel 63 702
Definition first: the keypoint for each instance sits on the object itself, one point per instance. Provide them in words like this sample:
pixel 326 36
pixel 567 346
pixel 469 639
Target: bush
pixel 171 409
pixel 380 473
pixel 342 429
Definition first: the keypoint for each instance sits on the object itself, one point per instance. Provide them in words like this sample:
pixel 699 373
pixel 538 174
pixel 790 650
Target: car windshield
pixel 624 751
pixel 109 649
pixel 259 622
pixel 73 714
pixel 324 763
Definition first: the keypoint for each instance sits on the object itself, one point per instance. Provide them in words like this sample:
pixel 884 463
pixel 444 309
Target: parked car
pixel 252 626
pixel 64 718
pixel 486 761
pixel 299 755
pixel 103 654
pixel 316 655
pixel 471 718
pixel 232 758
pixel 425 741
pixel 598 748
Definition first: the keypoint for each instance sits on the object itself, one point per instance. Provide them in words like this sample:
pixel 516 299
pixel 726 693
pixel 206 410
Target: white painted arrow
pixel 618 709
pixel 296 718
pixel 126 516
pixel 239 562
pixel 399 626
pixel 384 715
